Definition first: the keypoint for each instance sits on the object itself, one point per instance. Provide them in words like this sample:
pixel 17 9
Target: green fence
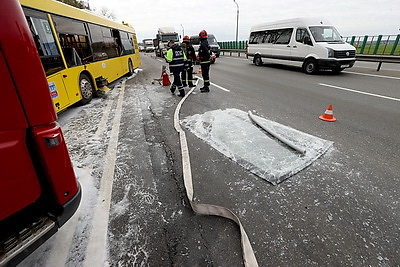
pixel 367 45
pixel 233 45
pixel 376 45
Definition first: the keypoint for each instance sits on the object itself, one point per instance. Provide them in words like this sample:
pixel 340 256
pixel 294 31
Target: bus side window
pixel 44 40
pixel 284 36
pixel 302 36
pixel 117 40
pixel 126 40
pixel 74 40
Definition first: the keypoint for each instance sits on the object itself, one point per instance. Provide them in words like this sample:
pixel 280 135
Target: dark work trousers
pixel 177 79
pixel 205 70
pixel 189 72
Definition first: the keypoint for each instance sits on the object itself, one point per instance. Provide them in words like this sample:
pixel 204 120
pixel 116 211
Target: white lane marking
pixel 96 251
pixel 216 85
pixel 373 75
pixel 359 92
pixel 161 60
pixel 103 122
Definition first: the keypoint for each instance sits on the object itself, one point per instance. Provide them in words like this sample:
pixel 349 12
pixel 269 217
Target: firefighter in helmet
pixel 176 59
pixel 187 73
pixel 204 59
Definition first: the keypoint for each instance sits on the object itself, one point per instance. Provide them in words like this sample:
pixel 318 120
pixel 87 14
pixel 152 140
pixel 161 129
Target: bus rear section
pixel 310 43
pixel 38 188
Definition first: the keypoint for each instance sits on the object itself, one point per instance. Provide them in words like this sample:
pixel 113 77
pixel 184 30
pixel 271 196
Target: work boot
pixel 205 89
pixel 191 85
pixel 172 89
pixel 184 84
pixel 181 92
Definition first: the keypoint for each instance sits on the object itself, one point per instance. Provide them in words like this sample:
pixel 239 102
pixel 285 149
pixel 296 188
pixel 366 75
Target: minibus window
pixel 325 34
pixel 302 35
pixel 283 36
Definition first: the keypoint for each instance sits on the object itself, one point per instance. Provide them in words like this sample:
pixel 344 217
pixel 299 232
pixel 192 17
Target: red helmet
pixel 203 34
pixel 186 39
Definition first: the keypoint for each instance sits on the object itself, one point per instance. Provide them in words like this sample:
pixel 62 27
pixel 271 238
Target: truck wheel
pixel 310 66
pixel 258 60
pixel 86 88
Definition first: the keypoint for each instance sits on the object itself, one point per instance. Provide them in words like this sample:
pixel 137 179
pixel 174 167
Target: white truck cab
pixel 310 43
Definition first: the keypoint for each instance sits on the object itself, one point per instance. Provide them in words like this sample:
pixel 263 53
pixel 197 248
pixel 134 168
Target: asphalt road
pixel 343 210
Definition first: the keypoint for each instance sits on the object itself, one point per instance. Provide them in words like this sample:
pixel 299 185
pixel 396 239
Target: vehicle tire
pixel 258 60
pixel 310 66
pixel 86 88
pixel 337 70
pixel 130 68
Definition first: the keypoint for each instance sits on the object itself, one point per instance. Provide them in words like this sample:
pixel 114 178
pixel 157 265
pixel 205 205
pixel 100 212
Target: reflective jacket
pixel 204 52
pixel 189 52
pixel 175 58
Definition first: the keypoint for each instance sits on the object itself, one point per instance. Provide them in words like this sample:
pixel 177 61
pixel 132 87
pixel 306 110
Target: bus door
pixel 49 55
pixel 301 46
pixel 281 49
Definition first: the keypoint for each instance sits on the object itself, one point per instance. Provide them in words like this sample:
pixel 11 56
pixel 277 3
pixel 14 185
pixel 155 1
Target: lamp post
pixel 237 21
pixel 183 31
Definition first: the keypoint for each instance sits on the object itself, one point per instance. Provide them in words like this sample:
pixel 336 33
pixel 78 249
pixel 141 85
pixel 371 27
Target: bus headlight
pixel 331 52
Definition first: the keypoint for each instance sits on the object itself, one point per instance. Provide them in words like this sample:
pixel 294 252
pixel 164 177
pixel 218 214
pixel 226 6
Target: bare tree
pixel 105 12
pixel 82 4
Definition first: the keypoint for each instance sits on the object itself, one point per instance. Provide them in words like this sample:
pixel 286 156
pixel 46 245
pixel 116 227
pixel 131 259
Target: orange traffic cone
pixel 199 71
pixel 328 115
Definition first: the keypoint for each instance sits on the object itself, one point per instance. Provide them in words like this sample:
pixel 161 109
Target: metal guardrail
pixel 365 45
pixel 360 57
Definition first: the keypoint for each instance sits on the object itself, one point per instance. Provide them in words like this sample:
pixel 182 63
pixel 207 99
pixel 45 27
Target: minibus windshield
pixel 325 34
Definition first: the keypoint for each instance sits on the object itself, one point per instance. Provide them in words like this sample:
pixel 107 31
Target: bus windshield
pixel 325 34
pixel 212 40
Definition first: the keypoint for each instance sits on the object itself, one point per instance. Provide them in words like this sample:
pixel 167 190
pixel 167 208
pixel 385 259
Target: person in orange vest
pixel 187 73
pixel 204 59
pixel 176 59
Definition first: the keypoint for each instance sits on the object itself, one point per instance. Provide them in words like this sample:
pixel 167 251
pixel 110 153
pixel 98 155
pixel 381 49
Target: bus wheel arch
pixel 310 66
pixel 86 87
pixel 257 60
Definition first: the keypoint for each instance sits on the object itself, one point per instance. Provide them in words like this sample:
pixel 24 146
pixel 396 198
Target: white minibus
pixel 310 43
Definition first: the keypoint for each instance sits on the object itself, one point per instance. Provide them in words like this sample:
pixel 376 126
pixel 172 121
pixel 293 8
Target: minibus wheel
pixel 86 88
pixel 258 60
pixel 130 67
pixel 310 66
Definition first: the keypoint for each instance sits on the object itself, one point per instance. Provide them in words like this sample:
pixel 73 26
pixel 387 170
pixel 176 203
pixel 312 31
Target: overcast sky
pixel 351 17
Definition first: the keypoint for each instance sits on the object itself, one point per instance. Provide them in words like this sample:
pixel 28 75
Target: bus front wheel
pixel 310 66
pixel 86 88
pixel 258 60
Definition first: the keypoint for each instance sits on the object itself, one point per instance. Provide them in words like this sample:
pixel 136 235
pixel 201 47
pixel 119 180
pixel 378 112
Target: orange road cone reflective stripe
pixel 199 72
pixel 328 115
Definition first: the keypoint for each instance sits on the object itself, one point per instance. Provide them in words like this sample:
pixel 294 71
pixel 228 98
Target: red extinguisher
pixel 165 78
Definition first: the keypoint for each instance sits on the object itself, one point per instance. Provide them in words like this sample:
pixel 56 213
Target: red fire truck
pixel 38 188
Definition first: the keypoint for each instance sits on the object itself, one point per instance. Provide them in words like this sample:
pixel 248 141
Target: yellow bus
pixel 80 52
